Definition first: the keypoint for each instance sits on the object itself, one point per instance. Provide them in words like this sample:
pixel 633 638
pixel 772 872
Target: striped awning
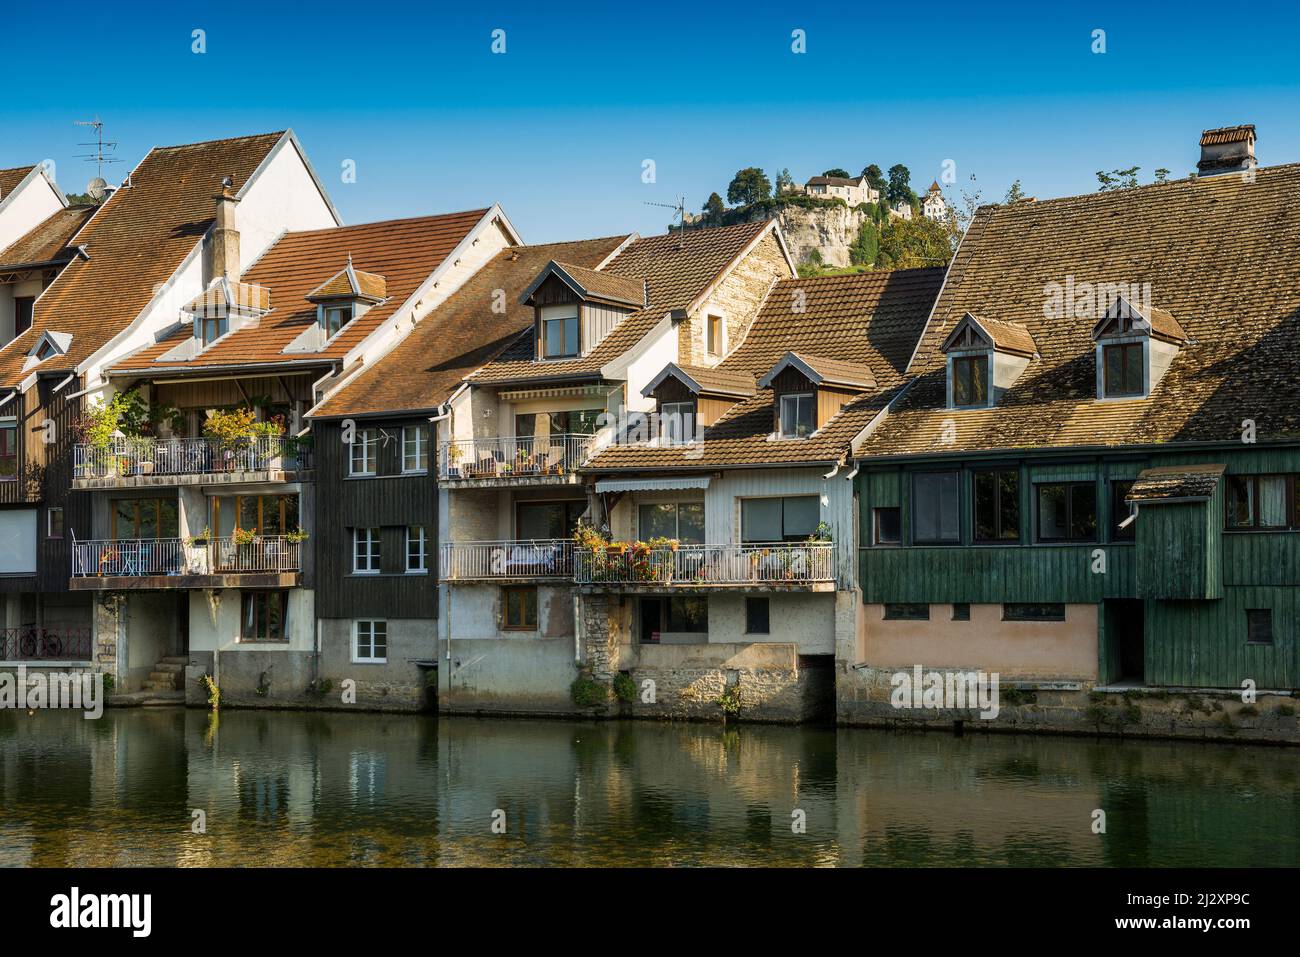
pixel 651 484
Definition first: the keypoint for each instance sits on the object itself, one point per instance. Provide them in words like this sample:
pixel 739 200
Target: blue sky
pixel 557 128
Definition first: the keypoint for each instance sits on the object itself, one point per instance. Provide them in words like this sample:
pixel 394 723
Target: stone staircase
pixel 167 675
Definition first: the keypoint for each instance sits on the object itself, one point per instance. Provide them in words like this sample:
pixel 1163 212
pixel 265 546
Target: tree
pixel 841 173
pixel 714 210
pixel 899 189
pixel 1162 175
pixel 875 178
pixel 784 183
pixel 749 185
pixel 1117 179
pixel 1015 194
pixel 911 243
pixel 866 248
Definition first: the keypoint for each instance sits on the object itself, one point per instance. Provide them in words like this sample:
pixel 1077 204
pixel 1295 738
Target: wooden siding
pixel 1179 550
pixel 830 401
pixel 710 410
pixel 390 502
pixel 598 321
pixel 1203 643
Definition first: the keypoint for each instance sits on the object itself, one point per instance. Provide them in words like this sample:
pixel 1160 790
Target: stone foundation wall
pixel 863 698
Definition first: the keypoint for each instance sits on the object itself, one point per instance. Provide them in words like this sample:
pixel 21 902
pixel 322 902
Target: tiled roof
pixel 593 284
pixel 1007 336
pixel 1221 254
pixel 710 380
pixel 404 251
pixel 1228 134
pixel 349 282
pixel 823 370
pixel 427 366
pixel 226 294
pixel 48 242
pixel 135 242
pixel 10 178
pixel 1175 482
pixel 675 277
pixel 871 320
pixel 834 180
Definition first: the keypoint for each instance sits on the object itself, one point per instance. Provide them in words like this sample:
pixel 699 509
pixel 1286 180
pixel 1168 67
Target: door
pixel 652 615
pixel 1124 621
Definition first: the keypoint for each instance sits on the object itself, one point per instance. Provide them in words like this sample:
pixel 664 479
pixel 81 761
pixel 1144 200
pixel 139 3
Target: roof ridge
pixel 355 227
pixel 224 139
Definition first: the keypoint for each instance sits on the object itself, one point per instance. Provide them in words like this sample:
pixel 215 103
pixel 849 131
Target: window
pixel 961 611
pixel 1120 510
pixel 757 620
pixel 45 351
pixel 365 551
pixel 264 514
pixel 1262 501
pixel 677 422
pixel 1124 370
pixel 797 415
pixel 683 521
pixel 364 453
pixel 688 613
pixel 54 523
pixel 1259 626
pixel 896 611
pixel 997 506
pixel 1067 512
pixel 23 308
pixel 888 525
pixel 212 328
pixel 144 518
pixel 415 448
pixel 935 508
pixel 8 450
pixel 559 332
pixel 792 519
pixel 970 381
pixel 263 616
pixel 521 609
pixel 416 550
pixel 334 318
pixel 369 641
pixel 1052 611
pixel 536 521
pixel 714 333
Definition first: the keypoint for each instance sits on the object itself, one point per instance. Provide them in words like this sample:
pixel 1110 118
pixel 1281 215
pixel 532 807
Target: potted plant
pixel 454 454
pixel 231 430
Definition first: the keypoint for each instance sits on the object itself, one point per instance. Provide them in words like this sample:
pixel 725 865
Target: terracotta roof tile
pixel 713 380
pixel 48 242
pixel 606 286
pixel 1177 482
pixel 10 178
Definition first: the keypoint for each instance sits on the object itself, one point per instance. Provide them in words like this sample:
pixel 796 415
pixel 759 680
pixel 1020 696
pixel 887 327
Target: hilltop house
pixel 853 190
pixel 933 205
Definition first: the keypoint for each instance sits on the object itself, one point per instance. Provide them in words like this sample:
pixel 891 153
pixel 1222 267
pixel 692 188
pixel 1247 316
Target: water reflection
pixel 334 789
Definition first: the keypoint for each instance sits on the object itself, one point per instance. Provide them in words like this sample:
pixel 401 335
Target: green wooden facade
pixel 1194 579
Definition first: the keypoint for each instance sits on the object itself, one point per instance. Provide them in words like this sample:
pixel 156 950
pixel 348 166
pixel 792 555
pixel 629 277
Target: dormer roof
pixel 1001 336
pixel 350 283
pixel 1178 483
pixel 821 371
pixel 48 345
pixel 224 297
pixel 1150 319
pixel 591 285
pixel 701 380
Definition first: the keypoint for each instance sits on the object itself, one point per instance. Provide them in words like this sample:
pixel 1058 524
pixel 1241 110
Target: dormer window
pixel 559 331
pixel 343 297
pixel 1125 369
pixel 212 328
pixel 798 415
pixel 1134 348
pixel 985 356
pixel 677 422
pixel 970 381
pixel 334 318
pixel 49 345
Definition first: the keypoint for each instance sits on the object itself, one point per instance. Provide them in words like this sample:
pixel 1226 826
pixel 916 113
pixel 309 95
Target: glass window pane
pixel 760 520
pixel 936 507
pixel 688 613
pixel 1083 511
pixel 1009 505
pixel 169 525
pixel 539 520
pixel 658 521
pixel 986 490
pixel 1051 512
pixel 1272 501
pixel 1241 511
pixel 802 514
pixel 690 522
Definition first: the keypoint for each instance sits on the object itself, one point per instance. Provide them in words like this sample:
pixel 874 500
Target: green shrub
pixel 624 687
pixel 588 693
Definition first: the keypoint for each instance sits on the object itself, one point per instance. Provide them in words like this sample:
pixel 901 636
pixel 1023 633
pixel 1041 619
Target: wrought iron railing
pixel 534 558
pixel 150 557
pixel 128 457
pixel 513 456
pixel 32 643
pixel 751 564
pixel 265 553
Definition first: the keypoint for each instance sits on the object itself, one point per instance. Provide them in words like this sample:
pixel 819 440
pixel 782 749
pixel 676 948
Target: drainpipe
pixel 854 474
pixel 831 473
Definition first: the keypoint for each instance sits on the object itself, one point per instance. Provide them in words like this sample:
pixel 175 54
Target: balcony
pixel 514 460
pixel 779 566
pixel 143 462
pixel 508 560
pixel 31 643
pixel 267 561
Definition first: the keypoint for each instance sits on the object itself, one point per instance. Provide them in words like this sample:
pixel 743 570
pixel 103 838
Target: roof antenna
pixel 102 155
pixel 679 208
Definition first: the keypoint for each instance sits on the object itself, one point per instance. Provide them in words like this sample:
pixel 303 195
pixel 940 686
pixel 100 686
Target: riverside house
pixel 1093 481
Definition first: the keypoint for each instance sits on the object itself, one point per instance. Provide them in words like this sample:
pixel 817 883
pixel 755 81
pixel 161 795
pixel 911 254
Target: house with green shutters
pixel 1093 478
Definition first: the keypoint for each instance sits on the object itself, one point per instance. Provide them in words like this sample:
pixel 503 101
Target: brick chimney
pixel 223 242
pixel 1229 149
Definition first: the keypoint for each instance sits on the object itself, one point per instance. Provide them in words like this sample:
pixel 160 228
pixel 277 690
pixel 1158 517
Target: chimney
pixel 1229 149
pixel 223 247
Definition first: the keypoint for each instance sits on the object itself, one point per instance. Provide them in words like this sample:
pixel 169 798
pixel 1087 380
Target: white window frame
pixel 371 626
pixel 685 419
pixel 370 537
pixel 812 401
pixel 423 540
pixel 421 435
pixel 367 440
pixel 325 311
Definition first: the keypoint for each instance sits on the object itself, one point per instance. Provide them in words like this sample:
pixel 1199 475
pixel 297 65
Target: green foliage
pixel 109 684
pixel 875 178
pixel 899 189
pixel 1161 175
pixel 1015 194
pixel 229 426
pixel 866 247
pixel 749 185
pixel 214 693
pixel 784 183
pixel 1117 179
pixel 588 693
pixel 911 243
pixel 624 687
pixel 730 701
pixel 813 257
pixel 126 412
pixel 714 210
pixel 841 173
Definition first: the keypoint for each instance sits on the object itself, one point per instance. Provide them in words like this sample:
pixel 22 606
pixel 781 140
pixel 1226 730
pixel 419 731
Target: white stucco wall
pixel 26 207
pixel 217 628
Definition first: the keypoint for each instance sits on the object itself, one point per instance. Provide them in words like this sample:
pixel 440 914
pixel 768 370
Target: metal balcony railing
pixel 533 558
pixel 778 563
pixel 126 457
pixel 504 457
pixel 150 557
pixel 32 643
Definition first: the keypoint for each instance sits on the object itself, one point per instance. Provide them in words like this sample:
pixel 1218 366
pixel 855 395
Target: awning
pixel 1181 483
pixel 650 484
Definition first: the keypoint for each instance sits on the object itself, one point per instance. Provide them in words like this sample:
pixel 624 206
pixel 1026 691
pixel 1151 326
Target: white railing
pixel 512 456
pixel 142 456
pixel 147 557
pixel 782 563
pixel 534 558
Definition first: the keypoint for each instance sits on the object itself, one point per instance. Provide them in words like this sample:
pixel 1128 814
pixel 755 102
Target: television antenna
pixel 103 148
pixel 679 208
